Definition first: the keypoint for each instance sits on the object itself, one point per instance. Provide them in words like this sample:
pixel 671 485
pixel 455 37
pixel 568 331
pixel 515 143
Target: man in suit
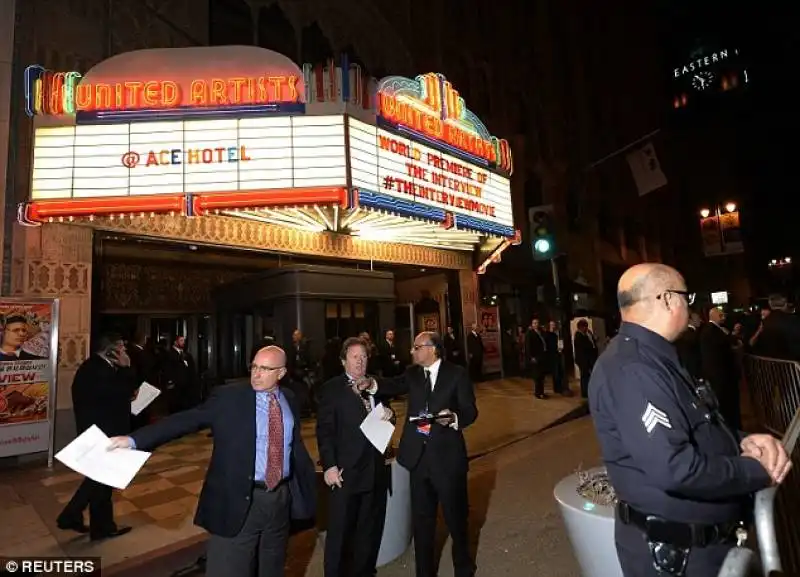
pixel 143 363
pixel 452 348
pixel 688 346
pixel 720 367
pixel 391 365
pixel 182 389
pixel 260 476
pixel 585 348
pixel 475 354
pixel 101 395
pixel 536 357
pixel 354 470
pixel 434 451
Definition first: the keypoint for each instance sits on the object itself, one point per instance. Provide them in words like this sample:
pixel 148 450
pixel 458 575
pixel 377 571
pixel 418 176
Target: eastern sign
pixel 188 156
pixel 706 72
pixel 422 178
pixel 429 109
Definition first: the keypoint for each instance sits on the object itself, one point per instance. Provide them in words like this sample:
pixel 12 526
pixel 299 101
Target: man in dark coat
pixel 720 367
pixel 260 477
pixel 101 395
pixel 441 399
pixel 585 348
pixel 354 469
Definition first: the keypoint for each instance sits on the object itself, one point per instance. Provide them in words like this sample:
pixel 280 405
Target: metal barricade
pixel 774 387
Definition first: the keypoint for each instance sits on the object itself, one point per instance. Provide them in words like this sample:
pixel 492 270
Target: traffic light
pixel 543 238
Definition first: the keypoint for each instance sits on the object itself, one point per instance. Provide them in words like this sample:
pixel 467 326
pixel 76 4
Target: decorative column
pixel 55 261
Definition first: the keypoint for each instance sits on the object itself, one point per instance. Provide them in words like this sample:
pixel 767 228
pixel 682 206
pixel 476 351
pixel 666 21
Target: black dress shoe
pixel 77 526
pixel 111 534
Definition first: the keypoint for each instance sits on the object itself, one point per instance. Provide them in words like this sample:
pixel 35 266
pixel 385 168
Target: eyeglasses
pixel 685 294
pixel 257 369
pixel 418 347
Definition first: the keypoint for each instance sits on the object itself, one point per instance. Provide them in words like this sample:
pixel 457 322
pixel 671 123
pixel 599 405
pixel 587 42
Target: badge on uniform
pixel 652 417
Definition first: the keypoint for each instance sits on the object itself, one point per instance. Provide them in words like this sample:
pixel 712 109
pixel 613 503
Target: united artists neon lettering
pixel 440 114
pixel 56 93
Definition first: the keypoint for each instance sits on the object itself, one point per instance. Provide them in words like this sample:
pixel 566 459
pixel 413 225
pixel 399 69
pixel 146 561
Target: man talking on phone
pixel 101 395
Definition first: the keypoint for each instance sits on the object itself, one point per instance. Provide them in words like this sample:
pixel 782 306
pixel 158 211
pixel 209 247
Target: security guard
pixel 683 477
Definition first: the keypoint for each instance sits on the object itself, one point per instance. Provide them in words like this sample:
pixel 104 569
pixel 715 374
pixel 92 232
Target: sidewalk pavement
pixel 160 503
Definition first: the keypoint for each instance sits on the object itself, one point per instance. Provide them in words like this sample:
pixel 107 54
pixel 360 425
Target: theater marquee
pixel 242 132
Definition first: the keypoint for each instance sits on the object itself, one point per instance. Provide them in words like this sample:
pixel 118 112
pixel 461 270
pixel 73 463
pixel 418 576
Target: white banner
pixel 646 169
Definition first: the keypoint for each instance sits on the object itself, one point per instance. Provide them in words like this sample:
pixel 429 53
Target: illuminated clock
pixel 702 80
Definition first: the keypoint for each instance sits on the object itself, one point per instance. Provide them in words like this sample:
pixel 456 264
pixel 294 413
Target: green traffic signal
pixel 542 246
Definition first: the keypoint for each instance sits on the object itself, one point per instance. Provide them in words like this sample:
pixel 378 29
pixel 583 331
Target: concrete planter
pixel 590 526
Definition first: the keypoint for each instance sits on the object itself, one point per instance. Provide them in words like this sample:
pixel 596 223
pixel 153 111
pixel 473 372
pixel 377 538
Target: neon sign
pixel 57 93
pixel 428 107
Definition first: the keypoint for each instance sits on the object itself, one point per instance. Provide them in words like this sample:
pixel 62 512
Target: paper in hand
pixel 89 456
pixel 146 395
pixel 376 430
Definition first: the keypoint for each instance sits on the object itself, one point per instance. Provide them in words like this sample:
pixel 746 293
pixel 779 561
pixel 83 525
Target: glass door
pixel 404 330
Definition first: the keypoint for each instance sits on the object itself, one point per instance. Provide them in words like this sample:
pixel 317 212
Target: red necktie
pixel 275 447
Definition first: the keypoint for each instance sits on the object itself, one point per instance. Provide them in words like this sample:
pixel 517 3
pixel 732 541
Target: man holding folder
pixel 354 469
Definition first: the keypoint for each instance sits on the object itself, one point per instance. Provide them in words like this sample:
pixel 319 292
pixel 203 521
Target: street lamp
pixel 712 219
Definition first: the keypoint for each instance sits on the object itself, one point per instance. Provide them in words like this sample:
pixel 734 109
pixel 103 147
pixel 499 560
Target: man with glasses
pixel 683 476
pixel 260 476
pixel 441 404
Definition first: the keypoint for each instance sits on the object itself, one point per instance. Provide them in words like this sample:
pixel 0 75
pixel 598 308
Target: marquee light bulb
pixel 730 207
pixel 705 212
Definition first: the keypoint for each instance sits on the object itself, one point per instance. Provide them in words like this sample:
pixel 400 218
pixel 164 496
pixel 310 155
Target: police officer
pixel 683 477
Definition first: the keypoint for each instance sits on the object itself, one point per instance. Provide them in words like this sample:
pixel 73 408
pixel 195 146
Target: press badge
pixel 424 425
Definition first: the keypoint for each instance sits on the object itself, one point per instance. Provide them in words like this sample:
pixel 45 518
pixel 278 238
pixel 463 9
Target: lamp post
pixel 713 230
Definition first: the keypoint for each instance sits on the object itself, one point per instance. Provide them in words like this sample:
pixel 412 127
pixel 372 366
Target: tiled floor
pixel 160 503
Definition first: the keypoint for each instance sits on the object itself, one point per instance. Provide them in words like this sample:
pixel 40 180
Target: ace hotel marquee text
pixel 279 152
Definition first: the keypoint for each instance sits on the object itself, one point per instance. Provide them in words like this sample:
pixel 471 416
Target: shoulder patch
pixel 652 417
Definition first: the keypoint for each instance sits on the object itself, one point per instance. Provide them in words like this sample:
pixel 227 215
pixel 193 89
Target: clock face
pixel 702 80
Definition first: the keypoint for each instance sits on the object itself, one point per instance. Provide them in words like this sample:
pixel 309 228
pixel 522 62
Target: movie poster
pixel 27 374
pixel 492 351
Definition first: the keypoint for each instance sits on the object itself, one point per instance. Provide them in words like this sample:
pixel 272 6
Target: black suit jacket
pixel 453 390
pixel 585 351
pixel 101 395
pixel 340 440
pixel 143 362
pixel 718 362
pixel 688 347
pixel 535 348
pixel 227 491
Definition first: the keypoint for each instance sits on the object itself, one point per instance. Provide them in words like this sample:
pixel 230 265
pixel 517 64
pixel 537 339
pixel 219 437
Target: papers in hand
pixel 146 395
pixel 89 456
pixel 376 430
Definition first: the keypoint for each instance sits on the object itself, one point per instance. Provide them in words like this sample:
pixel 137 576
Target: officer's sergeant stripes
pixel 653 417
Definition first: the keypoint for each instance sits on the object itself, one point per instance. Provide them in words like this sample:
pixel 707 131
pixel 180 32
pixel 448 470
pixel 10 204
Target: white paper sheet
pixel 147 394
pixel 89 456
pixel 377 431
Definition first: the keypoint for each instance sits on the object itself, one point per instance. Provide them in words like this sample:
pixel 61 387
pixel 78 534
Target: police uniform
pixel 676 466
